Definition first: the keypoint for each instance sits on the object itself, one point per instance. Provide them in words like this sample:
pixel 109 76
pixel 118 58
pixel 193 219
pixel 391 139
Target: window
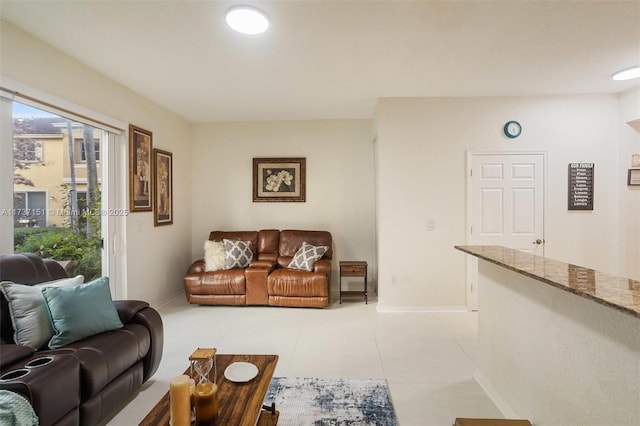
pixel 56 195
pixel 81 156
pixel 29 209
pixel 27 149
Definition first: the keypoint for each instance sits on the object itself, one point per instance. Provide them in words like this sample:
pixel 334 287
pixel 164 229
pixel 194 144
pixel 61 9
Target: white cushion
pixel 214 256
pixel 62 282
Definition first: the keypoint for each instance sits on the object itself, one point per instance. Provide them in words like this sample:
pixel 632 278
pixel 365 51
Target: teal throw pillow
pixel 28 310
pixel 81 311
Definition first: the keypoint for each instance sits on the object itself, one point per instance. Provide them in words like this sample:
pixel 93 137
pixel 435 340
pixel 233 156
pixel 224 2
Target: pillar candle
pixel 180 397
pixel 206 401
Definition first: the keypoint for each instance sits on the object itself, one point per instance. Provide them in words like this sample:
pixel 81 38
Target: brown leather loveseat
pixel 87 381
pixel 268 279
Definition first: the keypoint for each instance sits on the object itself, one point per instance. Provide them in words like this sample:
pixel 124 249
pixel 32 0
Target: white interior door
pixel 506 206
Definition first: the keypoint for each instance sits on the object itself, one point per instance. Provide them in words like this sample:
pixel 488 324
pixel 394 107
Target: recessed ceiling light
pixel 247 20
pixel 628 74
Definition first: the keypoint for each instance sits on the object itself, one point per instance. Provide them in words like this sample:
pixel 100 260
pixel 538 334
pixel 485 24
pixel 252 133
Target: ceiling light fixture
pixel 247 20
pixel 628 74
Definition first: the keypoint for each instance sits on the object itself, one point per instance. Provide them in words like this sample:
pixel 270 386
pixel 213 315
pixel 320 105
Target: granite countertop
pixel 622 294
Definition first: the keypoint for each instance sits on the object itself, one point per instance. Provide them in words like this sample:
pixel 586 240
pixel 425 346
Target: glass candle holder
pixel 206 402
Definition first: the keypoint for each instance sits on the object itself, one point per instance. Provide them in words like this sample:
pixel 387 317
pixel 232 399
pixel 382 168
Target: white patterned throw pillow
pixel 306 256
pixel 214 256
pixel 238 254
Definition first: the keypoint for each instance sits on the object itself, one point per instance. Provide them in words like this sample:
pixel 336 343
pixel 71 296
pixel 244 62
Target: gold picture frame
pixel 140 170
pixel 279 179
pixel 163 184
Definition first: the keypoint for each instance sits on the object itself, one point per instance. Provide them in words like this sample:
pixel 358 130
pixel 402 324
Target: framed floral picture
pixel 163 184
pixel 279 179
pixel 140 170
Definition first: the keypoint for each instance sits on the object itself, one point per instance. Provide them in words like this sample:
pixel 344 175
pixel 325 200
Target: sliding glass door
pixel 56 196
pixel 57 189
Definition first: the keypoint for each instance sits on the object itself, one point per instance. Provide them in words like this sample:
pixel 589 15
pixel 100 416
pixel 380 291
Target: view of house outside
pixel 57 189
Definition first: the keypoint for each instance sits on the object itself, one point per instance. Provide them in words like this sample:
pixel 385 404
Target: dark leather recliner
pixel 87 381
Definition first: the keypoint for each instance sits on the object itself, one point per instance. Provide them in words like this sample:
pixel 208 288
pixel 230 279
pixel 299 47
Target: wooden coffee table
pixel 240 403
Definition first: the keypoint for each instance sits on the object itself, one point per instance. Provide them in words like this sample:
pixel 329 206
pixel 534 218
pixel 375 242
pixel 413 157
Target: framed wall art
pixel 163 187
pixel 634 177
pixel 279 179
pixel 140 170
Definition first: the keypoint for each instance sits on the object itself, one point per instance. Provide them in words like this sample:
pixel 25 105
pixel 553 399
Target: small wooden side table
pixel 354 269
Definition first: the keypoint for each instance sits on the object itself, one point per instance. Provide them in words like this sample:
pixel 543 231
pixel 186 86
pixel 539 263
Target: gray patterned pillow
pixel 306 256
pixel 238 254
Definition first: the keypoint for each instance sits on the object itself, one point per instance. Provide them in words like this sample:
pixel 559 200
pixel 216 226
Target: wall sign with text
pixel 581 186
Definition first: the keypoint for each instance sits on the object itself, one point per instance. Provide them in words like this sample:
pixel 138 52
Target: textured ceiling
pixel 333 59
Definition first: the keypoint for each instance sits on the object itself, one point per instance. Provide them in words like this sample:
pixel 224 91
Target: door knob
pixel 538 241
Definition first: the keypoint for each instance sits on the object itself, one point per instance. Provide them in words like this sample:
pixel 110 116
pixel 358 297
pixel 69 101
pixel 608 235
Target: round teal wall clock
pixel 512 129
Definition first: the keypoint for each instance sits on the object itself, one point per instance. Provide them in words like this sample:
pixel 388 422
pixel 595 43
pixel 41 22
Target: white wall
pixel 339 182
pixel 629 195
pixel 421 176
pixel 156 257
pixel 554 358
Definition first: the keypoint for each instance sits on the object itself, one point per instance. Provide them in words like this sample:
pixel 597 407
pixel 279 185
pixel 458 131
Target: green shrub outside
pixel 62 244
pixel 20 235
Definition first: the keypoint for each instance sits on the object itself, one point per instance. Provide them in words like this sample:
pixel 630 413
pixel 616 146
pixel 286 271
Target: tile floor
pixel 427 358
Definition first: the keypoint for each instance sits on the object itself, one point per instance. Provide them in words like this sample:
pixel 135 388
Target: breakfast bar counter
pixel 558 344
pixel 622 294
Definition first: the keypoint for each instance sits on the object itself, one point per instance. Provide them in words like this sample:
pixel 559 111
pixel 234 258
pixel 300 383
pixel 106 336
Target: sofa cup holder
pixel 13 375
pixel 39 362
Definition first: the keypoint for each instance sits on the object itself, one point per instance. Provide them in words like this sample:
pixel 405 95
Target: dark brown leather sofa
pixel 267 280
pixel 85 382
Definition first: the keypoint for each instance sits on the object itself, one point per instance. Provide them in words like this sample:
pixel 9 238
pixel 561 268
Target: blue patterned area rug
pixel 331 402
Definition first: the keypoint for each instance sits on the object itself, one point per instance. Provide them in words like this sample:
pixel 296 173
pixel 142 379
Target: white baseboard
pixel 502 405
pixel 169 300
pixel 386 309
